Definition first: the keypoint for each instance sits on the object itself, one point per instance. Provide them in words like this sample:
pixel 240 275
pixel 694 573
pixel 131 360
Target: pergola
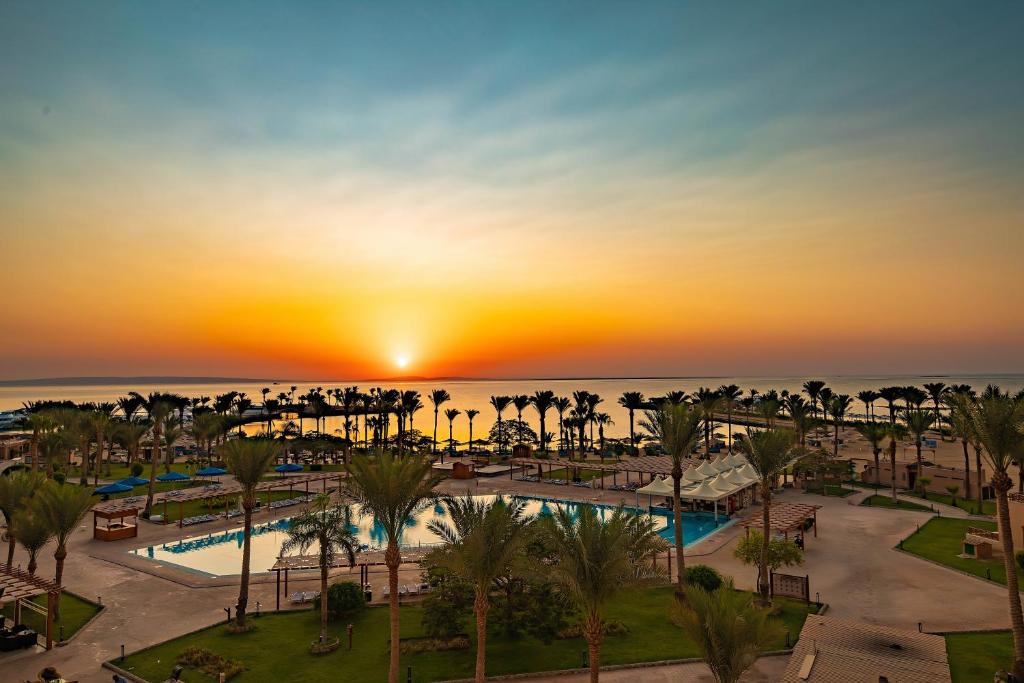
pixel 20 586
pixel 650 465
pixel 225 491
pixel 785 518
pixel 116 528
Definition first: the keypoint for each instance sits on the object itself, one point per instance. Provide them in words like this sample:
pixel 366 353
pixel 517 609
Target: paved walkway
pixel 764 670
pixel 851 564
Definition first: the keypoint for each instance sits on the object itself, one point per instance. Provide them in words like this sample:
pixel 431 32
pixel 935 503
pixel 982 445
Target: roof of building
pixel 783 516
pixel 834 650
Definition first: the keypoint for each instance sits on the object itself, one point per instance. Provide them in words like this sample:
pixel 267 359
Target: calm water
pixel 476 394
pixel 220 554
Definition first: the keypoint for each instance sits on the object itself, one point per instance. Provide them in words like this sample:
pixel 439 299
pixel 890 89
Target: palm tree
pixel 895 432
pixel 961 425
pixel 592 402
pixel 890 396
pixel 603 420
pixel 730 393
pixel 561 405
pixel 39 423
pixel 392 490
pixel 482 543
pixel 813 388
pixel 248 460
pixel 678 429
pixel 438 397
pixel 729 630
pixel 329 527
pixel 32 531
pixel 998 421
pixel 520 402
pixel 99 421
pixel 172 431
pixel 451 414
pixel 471 413
pixel 61 507
pixel 709 401
pixel 632 401
pixel 874 434
pixel 918 422
pixel 595 560
pixel 158 412
pixel 16 489
pixel 499 403
pixel 768 451
pixel 868 397
pixel 936 390
pixel 542 402
pixel 837 408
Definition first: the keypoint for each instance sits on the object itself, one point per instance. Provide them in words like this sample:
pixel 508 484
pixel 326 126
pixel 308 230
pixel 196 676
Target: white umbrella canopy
pixel 707 470
pixel 720 464
pixel 735 478
pixel 661 486
pixel 749 472
pixel 692 475
pixel 704 491
pixel 735 460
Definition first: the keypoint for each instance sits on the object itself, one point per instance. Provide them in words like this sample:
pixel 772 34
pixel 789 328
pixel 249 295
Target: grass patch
pixel 213 506
pixel 279 648
pixel 880 501
pixel 74 613
pixel 977 656
pixel 941 540
pixel 835 490
pixel 988 507
pixel 563 473
pixel 121 471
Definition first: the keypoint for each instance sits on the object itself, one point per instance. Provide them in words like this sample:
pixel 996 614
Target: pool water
pixel 220 554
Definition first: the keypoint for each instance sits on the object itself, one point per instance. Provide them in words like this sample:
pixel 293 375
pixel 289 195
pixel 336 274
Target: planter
pixel 328 646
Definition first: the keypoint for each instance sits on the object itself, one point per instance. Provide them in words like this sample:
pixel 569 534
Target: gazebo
pixel 785 518
pixel 20 587
pixel 116 528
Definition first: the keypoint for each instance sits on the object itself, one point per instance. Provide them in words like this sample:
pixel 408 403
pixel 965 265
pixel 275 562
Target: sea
pixel 475 394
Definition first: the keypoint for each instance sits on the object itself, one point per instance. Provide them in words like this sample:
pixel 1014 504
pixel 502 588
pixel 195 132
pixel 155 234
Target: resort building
pixel 939 477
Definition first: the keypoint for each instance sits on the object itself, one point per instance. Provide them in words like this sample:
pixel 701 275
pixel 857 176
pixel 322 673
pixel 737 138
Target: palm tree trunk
pixel 1002 485
pixel 632 431
pixel 967 472
pixel 677 520
pixel 243 587
pixel 878 471
pixel 728 417
pixel 919 465
pixel 59 556
pixel 392 559
pixel 435 430
pixel 892 465
pixel 542 433
pixel 593 631
pixel 154 457
pixel 977 464
pixel 11 541
pixel 32 564
pixel 480 607
pixel 762 566
pixel 323 604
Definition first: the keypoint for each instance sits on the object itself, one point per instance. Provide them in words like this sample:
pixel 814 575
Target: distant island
pixel 170 379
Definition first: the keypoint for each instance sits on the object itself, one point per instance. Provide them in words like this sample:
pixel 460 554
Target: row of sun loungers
pixel 300 597
pixel 407 589
pixel 199 519
pixel 628 486
pixel 288 502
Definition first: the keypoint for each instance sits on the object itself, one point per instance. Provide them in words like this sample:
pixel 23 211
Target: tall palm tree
pixel 61 507
pixel 499 403
pixel 16 489
pixel 813 388
pixel 998 422
pixel 962 426
pixel 437 398
pixel 32 531
pixel 768 451
pixel 595 560
pixel 918 422
pixel 868 398
pixel 330 528
pixel 38 423
pixel 482 543
pixel 159 412
pixel 248 460
pixel 728 629
pixel 709 401
pixel 391 490
pixel 172 431
pixel 678 428
pixel 542 402
pixel 632 401
pixel 837 408
pixel 874 434
pixel 602 420
pixel 730 393
pixel 593 400
pixel 520 402
pixel 100 422
pixel 890 395
pixel 561 405
pixel 471 413
pixel 451 414
pixel 936 390
pixel 895 432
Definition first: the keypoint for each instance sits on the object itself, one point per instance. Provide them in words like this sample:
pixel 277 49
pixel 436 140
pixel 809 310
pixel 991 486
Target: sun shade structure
pixel 658 487
pixel 211 472
pixel 289 467
pixel 785 518
pixel 112 488
pixel 830 649
pixel 173 476
pixel 133 481
pixel 20 587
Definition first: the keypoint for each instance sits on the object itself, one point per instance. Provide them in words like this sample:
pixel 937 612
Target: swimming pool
pixel 220 554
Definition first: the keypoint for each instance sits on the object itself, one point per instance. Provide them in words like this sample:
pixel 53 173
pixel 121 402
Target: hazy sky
pixel 511 189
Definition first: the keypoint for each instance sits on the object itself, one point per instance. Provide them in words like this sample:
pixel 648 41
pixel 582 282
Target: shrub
pixel 704 576
pixel 447 609
pixel 137 469
pixel 59 477
pixel 611 628
pixel 343 600
pixel 210 663
pixel 781 553
pixel 316 467
pixel 459 641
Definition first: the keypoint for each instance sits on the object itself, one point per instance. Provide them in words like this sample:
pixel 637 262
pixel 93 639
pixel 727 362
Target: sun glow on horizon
pixel 402 361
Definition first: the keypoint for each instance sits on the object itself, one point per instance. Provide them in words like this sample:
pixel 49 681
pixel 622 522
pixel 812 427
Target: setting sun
pixel 402 361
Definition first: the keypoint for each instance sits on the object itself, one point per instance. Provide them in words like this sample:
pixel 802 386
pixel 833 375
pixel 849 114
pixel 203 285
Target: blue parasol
pixel 173 476
pixel 133 481
pixel 289 467
pixel 211 472
pixel 112 488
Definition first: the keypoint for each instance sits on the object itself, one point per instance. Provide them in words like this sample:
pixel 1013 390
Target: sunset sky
pixel 321 190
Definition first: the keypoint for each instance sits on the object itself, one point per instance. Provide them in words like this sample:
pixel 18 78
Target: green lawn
pixel 120 471
pixel 214 505
pixel 278 649
pixel 941 540
pixel 975 657
pixel 885 501
pixel 585 475
pixel 988 507
pixel 832 490
pixel 74 612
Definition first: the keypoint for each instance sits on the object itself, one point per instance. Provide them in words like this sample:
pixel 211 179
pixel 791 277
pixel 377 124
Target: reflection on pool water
pixel 219 554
